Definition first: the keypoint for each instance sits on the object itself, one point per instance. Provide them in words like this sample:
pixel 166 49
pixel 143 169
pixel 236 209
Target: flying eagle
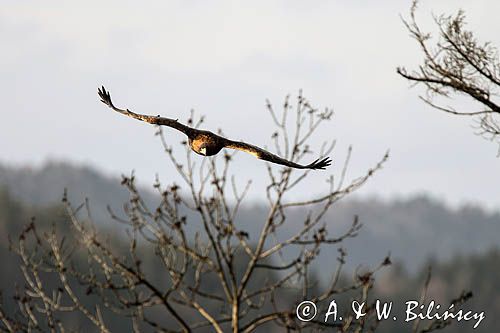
pixel 206 143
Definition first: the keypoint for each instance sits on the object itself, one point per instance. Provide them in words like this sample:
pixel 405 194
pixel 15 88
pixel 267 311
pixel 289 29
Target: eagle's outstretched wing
pixel 267 156
pixel 157 120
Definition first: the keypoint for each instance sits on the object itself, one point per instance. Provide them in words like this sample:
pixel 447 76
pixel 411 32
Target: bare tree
pixel 457 64
pixel 219 277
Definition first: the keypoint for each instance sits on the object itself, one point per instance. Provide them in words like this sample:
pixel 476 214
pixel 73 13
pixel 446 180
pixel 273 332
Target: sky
pixel 224 59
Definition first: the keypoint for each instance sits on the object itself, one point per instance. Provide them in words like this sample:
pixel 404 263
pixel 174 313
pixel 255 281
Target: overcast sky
pixel 223 59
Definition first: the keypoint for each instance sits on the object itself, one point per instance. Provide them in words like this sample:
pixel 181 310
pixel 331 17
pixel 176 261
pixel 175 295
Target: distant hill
pixel 418 228
pixel 45 185
pixel 412 229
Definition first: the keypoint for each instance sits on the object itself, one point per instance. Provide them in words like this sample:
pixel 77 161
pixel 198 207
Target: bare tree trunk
pixel 235 314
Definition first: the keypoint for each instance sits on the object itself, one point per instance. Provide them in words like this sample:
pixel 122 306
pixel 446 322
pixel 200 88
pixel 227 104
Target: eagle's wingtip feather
pixel 320 164
pixel 105 96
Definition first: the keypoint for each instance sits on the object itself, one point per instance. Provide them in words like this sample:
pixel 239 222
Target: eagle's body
pixel 206 143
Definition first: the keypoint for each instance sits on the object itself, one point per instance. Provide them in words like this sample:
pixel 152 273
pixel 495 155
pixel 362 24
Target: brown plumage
pixel 207 143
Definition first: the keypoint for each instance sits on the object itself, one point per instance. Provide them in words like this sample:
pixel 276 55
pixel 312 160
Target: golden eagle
pixel 207 143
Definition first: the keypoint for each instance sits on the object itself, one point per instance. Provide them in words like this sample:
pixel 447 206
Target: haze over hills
pixel 412 229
